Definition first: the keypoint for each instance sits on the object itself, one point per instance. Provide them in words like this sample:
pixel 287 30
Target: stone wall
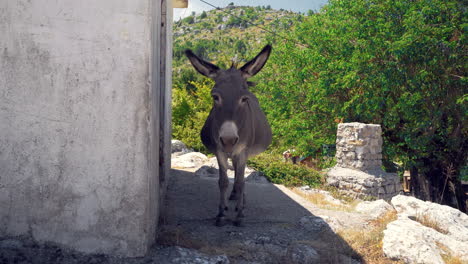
pixel 76 164
pixel 358 170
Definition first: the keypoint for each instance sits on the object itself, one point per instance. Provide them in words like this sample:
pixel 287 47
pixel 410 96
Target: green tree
pixel 401 64
pixel 189 20
pixel 203 15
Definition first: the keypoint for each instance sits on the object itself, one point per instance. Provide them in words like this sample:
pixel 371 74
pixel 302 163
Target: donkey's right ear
pixel 203 67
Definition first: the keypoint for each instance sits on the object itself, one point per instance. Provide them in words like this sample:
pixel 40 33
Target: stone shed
pixel 84 121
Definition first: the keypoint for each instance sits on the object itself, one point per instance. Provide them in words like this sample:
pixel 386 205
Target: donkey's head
pixel 234 106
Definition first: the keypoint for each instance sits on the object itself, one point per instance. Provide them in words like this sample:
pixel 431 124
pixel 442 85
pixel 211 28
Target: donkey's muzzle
pixel 228 142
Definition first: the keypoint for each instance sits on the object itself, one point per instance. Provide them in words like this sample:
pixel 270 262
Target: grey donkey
pixel 236 127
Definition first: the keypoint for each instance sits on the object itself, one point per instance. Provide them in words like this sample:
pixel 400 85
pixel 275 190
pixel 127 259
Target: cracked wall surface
pixel 74 123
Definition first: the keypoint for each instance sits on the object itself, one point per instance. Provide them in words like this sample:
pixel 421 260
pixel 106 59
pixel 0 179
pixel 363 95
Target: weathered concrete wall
pixel 75 132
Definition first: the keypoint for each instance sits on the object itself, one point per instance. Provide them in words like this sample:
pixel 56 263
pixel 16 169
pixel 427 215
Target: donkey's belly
pixel 256 149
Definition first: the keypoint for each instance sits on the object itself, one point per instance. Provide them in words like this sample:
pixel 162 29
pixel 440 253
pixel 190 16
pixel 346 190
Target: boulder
pixel 178 146
pixel 452 220
pixel 424 231
pixel 189 160
pixel 374 209
pixel 410 241
pixel 207 171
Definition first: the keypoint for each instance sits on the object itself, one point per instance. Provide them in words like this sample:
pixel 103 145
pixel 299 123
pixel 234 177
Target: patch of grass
pixel 427 221
pixel 368 243
pixel 337 194
pixel 280 172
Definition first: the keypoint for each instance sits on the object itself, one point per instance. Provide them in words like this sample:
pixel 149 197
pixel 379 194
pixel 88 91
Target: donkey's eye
pixel 216 98
pixel 244 99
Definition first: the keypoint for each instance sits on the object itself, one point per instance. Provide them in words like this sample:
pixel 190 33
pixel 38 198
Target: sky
pixel 293 5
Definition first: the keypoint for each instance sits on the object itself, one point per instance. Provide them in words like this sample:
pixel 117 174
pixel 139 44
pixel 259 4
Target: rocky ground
pixel 282 226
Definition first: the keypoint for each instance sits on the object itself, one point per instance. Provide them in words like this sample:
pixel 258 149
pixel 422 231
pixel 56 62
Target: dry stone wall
pixel 358 170
pixel 359 146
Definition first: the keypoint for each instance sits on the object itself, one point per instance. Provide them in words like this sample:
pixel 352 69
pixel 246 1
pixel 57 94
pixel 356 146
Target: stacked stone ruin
pixel 358 171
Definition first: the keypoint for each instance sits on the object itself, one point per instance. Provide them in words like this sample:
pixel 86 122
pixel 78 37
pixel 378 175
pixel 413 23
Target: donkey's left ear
pixel 254 66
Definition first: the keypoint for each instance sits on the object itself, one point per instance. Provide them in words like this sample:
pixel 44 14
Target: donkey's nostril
pixel 229 141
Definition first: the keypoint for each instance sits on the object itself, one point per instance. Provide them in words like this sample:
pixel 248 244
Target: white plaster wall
pixel 74 123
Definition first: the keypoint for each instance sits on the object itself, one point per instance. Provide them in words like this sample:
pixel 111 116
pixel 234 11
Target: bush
pixel 279 172
pixel 190 108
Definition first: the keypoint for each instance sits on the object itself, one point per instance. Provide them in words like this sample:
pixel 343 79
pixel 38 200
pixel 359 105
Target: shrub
pixel 279 172
pixel 190 108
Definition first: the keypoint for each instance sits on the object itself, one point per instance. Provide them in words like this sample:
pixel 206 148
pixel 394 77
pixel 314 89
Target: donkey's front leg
pixel 223 185
pixel 239 162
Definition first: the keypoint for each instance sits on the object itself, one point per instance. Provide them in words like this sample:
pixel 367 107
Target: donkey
pixel 236 127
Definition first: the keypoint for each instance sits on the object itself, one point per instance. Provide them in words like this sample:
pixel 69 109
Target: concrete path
pixel 280 226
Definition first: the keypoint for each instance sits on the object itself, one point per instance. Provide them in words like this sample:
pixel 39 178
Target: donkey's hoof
pixel 220 221
pixel 239 222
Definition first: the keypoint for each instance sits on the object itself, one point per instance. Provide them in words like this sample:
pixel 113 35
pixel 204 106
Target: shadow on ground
pixel 277 228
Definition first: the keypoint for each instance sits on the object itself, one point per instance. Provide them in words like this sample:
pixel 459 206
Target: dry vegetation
pixel 368 243
pixel 448 255
pixel 320 201
pixel 427 221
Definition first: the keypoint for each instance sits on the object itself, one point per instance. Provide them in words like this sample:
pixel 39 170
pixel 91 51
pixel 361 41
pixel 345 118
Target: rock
pixel 317 224
pixel 301 254
pixel 10 244
pixel 374 209
pixel 255 177
pixel 452 220
pixel 178 146
pixel 410 241
pixel 189 160
pixel 178 255
pixel 312 223
pixel 376 183
pixel 207 171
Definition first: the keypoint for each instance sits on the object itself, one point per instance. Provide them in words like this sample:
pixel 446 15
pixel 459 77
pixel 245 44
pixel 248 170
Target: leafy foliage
pixel 401 64
pixel 279 172
pixel 190 108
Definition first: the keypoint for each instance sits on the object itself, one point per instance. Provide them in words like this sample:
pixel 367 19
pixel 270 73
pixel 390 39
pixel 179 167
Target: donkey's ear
pixel 254 66
pixel 203 67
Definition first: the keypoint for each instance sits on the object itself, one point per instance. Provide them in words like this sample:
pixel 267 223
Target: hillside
pixel 221 35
